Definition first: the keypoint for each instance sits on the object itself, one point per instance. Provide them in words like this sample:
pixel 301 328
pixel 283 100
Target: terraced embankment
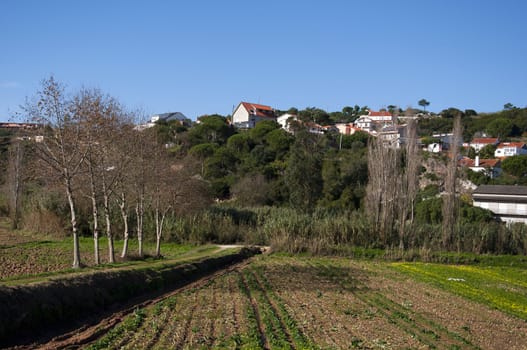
pixel 78 299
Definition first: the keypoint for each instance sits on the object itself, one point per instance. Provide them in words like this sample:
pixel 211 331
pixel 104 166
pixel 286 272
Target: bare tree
pixel 450 204
pixel 381 192
pixel 138 171
pixel 123 185
pixel 102 120
pixel 408 181
pixel 179 191
pixel 61 148
pixel 15 178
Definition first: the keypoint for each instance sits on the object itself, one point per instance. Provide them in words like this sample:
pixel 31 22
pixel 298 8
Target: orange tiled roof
pixel 379 114
pixel 484 163
pixel 485 140
pixel 259 110
pixel 511 144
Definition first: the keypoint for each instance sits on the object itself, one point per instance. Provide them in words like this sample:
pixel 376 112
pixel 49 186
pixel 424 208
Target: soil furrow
pixel 274 309
pixel 254 305
pixel 181 341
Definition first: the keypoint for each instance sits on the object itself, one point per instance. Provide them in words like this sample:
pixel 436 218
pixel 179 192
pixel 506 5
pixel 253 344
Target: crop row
pixel 237 310
pixel 424 329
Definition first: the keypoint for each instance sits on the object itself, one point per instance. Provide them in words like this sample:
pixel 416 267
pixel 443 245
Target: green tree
pixel 261 129
pixel 515 165
pixel 279 141
pixel 303 175
pixel 313 114
pixel 240 143
pixel 451 113
pixel 212 128
pixel 423 103
pixel 500 128
pixel 487 152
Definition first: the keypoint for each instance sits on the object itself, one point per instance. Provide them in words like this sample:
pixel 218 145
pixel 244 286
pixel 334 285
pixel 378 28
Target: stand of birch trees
pixel 88 145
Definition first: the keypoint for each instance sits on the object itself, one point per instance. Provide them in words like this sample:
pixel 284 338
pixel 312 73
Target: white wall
pixel 240 115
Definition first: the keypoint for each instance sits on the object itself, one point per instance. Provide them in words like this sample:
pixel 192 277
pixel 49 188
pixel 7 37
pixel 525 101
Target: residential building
pixel 346 128
pixel 285 121
pixel 365 123
pixel 508 203
pixel 479 143
pixel 381 116
pixel 247 114
pixel 18 126
pixel 490 167
pixel 168 117
pixel 508 149
pixel 173 116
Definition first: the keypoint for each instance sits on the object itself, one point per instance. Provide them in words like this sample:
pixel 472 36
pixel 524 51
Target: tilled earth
pixel 296 303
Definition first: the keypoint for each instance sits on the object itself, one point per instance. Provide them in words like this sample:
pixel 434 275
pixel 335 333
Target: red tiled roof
pixel 511 144
pixel 250 106
pixel 485 163
pixel 485 140
pixel 379 114
pixel 259 110
pixel 491 163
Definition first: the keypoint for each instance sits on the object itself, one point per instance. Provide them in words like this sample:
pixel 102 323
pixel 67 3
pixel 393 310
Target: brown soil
pixel 336 303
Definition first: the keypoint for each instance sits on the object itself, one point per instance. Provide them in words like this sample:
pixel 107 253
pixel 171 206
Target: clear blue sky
pixel 202 57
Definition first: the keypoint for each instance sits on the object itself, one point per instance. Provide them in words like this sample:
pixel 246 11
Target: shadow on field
pixel 42 311
pixel 315 278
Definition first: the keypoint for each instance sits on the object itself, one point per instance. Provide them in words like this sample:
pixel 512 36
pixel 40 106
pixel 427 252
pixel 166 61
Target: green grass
pixel 173 255
pixel 500 287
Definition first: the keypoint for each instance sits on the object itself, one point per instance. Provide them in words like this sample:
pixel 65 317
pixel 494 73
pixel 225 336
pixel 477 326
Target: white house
pixel 508 203
pixel 479 143
pixel 247 114
pixel 382 116
pixel 346 128
pixel 374 121
pixel 489 167
pixel 509 149
pixel 434 147
pixel 168 117
pixel 364 123
pixel 285 120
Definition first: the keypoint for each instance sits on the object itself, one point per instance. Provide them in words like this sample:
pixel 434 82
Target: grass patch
pixel 500 287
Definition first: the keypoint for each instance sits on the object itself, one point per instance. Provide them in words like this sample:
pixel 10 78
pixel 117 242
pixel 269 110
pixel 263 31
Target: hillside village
pixel 481 156
pixel 389 126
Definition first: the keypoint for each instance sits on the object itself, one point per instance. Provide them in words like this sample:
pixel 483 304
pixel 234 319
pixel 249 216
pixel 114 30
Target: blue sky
pixel 203 57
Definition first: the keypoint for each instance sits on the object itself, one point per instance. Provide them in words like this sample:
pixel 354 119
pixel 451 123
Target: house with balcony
pixel 509 149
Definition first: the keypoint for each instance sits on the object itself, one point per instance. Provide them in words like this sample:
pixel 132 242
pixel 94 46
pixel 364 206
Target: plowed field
pixel 279 302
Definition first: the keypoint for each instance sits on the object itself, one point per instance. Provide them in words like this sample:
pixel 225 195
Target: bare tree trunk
pixel 382 190
pixel 158 234
pixel 124 215
pixel 109 235
pixel 16 156
pixel 95 215
pixel 450 205
pixel 160 219
pixel 139 210
pixel 76 248
pixel 409 183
